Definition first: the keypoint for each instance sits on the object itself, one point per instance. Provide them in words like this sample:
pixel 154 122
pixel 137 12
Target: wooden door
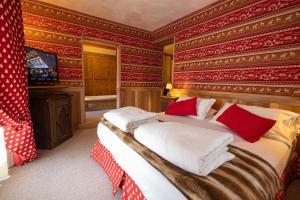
pixel 112 75
pixel 100 72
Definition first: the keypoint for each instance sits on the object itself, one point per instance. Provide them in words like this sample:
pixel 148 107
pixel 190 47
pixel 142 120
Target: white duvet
pixel 194 149
pixel 128 118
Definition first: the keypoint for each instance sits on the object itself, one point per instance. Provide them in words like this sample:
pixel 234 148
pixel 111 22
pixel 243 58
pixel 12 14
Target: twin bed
pixel 128 164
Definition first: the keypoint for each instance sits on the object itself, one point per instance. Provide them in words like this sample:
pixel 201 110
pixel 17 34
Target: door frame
pixel 107 43
pixel 164 43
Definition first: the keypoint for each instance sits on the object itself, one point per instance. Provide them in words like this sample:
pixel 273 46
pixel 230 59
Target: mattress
pixel 154 185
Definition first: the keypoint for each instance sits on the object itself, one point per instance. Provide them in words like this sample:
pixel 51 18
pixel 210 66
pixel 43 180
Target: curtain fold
pixel 14 112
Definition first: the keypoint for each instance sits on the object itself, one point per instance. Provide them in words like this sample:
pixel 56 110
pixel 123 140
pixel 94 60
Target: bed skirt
pixel 130 190
pixel 118 177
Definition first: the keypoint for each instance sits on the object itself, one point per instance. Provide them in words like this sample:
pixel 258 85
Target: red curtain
pixel 14 111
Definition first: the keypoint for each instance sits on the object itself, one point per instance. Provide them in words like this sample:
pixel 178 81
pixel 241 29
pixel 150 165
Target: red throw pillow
pixel 186 107
pixel 247 125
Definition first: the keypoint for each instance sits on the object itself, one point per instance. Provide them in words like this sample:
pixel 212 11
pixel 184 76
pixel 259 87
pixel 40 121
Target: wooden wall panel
pixel 144 98
pixel 155 100
pixel 127 97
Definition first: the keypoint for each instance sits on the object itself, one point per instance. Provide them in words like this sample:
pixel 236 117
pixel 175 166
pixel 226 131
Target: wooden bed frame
pixel 282 102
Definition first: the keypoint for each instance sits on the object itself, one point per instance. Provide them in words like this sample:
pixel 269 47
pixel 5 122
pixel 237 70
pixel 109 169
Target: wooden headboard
pixel 282 102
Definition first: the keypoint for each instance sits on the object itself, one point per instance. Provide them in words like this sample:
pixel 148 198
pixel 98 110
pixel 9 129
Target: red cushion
pixel 247 125
pixel 186 107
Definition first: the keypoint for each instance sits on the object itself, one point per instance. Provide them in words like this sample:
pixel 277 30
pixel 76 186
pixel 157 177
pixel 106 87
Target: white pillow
pixel 203 106
pixel 220 112
pixel 284 129
pixel 211 113
pixel 280 131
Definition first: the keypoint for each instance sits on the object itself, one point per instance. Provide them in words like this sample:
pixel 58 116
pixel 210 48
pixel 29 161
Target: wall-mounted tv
pixel 42 66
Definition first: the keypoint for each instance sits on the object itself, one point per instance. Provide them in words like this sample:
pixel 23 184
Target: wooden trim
pixel 46 86
pixel 165 41
pixel 166 54
pixel 95 44
pixel 99 41
pixel 169 42
pixel 96 54
pixel 283 102
pixel 173 64
pixel 118 75
pixel 141 88
pixel 111 44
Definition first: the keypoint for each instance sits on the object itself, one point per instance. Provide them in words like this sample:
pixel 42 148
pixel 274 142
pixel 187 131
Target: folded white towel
pixel 194 149
pixel 129 118
pixel 215 163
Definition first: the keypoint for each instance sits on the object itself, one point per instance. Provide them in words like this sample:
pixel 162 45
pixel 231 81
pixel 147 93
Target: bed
pixel 140 180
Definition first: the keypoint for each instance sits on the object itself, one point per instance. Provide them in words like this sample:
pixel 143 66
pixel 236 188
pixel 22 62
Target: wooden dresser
pixel 52 118
pixel 164 102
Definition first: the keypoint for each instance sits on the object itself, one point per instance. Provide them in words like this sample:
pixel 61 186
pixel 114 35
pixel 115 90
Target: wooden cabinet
pixel 52 118
pixel 100 73
pixel 164 102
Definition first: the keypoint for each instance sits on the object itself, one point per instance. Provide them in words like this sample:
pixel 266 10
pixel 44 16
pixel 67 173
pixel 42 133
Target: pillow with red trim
pixel 247 125
pixel 186 107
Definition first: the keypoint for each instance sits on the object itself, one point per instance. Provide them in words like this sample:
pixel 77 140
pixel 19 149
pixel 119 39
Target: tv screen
pixel 42 66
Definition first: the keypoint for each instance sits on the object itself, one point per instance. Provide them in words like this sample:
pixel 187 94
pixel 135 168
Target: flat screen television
pixel 42 66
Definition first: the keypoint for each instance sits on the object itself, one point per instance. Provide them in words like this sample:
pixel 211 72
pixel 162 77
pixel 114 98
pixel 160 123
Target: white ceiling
pixel 145 14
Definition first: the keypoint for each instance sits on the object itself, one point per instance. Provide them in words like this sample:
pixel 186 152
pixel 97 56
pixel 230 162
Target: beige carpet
pixel 92 118
pixel 64 173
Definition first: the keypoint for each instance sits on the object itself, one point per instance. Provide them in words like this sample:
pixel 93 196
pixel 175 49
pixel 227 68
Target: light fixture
pixel 169 86
pixel 167 90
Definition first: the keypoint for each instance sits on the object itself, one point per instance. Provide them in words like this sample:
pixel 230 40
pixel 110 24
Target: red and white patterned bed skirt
pixel 120 179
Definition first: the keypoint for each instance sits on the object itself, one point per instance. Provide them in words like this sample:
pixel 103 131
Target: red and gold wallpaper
pixel 245 46
pixel 60 31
